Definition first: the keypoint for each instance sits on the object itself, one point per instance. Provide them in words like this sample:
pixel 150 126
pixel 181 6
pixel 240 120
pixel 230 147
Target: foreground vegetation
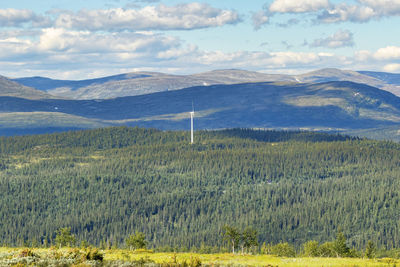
pixel 106 184
pixel 118 257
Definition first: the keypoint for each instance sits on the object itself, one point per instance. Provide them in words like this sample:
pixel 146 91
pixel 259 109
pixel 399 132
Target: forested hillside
pixel 108 183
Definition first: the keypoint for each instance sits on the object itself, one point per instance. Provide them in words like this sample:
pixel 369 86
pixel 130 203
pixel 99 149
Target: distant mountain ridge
pixel 331 106
pixel 139 83
pixel 11 88
pixel 322 100
pixel 47 84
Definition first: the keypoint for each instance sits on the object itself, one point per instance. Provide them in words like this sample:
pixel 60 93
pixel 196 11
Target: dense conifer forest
pixel 106 184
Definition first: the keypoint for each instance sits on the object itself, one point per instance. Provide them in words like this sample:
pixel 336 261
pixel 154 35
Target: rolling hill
pixel 14 89
pixel 140 83
pixel 330 106
pixel 386 81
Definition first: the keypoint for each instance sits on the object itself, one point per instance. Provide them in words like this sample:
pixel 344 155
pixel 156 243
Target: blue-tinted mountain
pixel 390 78
pixel 49 85
pixel 386 81
pixel 140 83
pixel 13 89
pixel 331 106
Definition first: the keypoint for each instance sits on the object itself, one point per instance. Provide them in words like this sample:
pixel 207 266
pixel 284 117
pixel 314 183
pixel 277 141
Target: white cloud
pixel 362 55
pixel 383 7
pixel 180 17
pixel 16 17
pixel 261 60
pixel 392 67
pixel 383 59
pixel 66 50
pixel 14 49
pixel 298 6
pixel 359 12
pixel 59 52
pixel 344 12
pixel 62 40
pixel 259 19
pixel 362 12
pixel 178 52
pixel 341 38
pixel 387 53
pixel 283 59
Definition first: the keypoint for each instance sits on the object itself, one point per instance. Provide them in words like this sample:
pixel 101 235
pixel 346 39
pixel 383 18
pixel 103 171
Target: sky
pixel 69 39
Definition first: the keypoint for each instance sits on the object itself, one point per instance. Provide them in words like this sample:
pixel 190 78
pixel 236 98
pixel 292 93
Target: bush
pixel 311 249
pixel 283 250
pixel 94 255
pixel 136 241
pixel 27 253
pixel 64 237
pixel 327 249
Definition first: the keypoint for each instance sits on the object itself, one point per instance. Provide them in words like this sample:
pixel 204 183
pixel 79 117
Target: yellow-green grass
pixel 249 260
pixel 226 259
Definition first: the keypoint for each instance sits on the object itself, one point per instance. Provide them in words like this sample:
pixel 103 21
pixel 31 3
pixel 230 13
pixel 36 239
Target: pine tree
pixel 370 250
pixel 340 247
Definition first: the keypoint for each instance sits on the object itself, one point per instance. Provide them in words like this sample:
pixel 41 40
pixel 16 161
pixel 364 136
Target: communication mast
pixel 191 124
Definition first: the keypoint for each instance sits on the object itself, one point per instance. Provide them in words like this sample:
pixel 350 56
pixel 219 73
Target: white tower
pixel 191 124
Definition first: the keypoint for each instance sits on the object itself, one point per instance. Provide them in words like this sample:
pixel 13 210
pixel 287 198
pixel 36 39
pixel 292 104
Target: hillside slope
pixel 108 183
pixel 14 89
pixel 337 106
pixel 140 83
pixel 382 80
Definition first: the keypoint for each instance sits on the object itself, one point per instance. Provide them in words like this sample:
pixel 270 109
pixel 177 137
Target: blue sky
pixel 70 39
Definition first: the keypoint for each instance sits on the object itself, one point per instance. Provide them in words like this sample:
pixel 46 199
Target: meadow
pixel 119 257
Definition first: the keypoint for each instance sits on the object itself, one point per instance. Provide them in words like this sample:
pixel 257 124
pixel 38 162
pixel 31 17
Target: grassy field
pixel 118 257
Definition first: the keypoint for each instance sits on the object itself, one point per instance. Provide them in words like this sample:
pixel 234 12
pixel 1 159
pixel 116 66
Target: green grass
pixel 115 257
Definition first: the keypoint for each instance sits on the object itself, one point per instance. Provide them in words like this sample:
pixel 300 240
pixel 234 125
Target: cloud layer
pixel 90 43
pixel 103 53
pixel 341 38
pixel 180 17
pixel 326 12
pixel 297 6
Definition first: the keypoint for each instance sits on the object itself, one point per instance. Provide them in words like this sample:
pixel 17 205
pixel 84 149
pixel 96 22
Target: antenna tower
pixel 191 124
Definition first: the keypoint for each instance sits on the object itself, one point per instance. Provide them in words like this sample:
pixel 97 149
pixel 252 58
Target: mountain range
pixel 360 103
pixel 140 83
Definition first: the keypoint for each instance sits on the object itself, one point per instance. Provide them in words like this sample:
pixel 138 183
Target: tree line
pixel 246 242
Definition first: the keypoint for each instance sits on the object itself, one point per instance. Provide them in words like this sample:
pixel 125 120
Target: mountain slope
pixel 11 88
pixel 140 83
pixel 337 106
pixel 331 74
pixel 47 84
pixel 391 78
pixel 386 81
